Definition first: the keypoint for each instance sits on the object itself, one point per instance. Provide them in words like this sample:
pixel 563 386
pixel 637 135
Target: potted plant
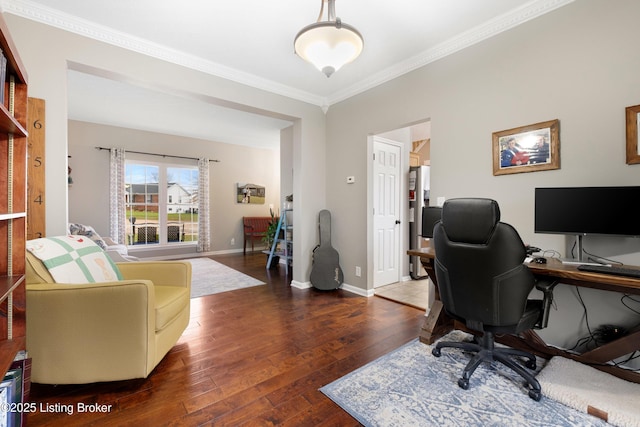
pixel 270 236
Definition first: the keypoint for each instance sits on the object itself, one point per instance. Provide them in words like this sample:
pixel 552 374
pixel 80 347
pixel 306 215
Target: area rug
pixel 590 390
pixel 411 387
pixel 210 277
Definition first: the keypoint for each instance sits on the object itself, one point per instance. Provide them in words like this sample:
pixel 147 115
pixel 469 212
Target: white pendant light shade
pixel 328 45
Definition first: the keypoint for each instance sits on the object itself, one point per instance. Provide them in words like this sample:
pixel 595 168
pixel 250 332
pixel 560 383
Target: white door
pixel 386 211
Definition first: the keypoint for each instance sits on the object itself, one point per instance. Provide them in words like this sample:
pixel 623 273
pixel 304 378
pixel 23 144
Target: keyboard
pixel 611 269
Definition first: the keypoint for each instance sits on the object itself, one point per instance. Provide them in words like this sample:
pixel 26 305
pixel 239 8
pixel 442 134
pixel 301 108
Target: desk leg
pixel 597 358
pixel 437 323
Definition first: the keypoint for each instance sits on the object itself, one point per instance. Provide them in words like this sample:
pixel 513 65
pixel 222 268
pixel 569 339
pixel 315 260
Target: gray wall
pixel 89 204
pixel 48 53
pixel 578 64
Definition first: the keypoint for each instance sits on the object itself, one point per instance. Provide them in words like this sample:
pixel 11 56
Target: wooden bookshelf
pixel 13 203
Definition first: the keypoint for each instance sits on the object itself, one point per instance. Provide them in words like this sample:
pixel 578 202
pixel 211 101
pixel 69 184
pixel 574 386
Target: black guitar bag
pixel 326 273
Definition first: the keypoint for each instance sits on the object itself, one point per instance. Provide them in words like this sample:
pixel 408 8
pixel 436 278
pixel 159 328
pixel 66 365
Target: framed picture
pixel 250 194
pixel 529 148
pixel 633 147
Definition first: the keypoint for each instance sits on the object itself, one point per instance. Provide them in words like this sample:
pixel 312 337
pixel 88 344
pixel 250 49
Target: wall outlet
pixel 358 271
pixel 233 241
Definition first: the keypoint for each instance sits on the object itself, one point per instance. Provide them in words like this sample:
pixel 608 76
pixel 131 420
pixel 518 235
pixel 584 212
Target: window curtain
pixel 204 230
pixel 117 214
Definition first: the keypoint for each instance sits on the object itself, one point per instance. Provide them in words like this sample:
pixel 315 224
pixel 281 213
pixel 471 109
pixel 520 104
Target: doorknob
pixel 397 221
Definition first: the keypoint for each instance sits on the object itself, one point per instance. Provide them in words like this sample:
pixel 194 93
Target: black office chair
pixel 430 216
pixel 484 284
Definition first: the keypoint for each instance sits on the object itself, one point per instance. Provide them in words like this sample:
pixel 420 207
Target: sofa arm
pixel 171 273
pixel 68 324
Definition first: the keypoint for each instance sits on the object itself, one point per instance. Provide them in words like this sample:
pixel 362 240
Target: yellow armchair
pixel 83 333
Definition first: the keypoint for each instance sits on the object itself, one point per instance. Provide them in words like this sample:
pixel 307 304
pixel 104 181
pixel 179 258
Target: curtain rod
pixel 159 155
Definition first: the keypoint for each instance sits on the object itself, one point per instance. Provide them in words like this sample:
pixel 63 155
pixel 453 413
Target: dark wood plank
pixel 254 356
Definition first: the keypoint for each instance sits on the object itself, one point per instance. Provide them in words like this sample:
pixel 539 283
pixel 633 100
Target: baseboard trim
pixel 344 287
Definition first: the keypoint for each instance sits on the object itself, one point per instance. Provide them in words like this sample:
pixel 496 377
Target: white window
pixel 153 217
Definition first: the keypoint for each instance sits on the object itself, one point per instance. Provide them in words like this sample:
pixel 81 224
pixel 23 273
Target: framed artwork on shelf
pixel 633 122
pixel 529 148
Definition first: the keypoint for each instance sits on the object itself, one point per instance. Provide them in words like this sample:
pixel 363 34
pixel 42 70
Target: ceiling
pixel 251 42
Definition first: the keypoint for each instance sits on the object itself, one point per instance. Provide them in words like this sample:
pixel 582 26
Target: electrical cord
pixel 625 297
pixel 590 338
pixel 599 259
pixel 606 333
pixel 551 253
pixel 594 257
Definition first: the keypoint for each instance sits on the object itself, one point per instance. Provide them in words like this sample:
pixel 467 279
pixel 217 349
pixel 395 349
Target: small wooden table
pixel 438 323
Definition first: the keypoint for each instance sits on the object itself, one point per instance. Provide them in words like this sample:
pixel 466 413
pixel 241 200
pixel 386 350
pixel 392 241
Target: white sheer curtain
pixel 204 230
pixel 117 215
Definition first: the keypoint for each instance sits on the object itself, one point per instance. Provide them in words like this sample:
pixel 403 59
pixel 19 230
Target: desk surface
pixel 437 323
pixel 567 273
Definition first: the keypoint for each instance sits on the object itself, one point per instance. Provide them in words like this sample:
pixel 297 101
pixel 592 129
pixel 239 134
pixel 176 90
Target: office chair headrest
pixel 470 220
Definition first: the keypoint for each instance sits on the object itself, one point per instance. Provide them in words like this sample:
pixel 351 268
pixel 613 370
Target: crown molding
pixel 54 18
pixel 48 16
pixel 475 35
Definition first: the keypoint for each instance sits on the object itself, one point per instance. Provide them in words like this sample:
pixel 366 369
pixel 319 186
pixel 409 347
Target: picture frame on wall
pixel 528 148
pixel 633 146
pixel 250 193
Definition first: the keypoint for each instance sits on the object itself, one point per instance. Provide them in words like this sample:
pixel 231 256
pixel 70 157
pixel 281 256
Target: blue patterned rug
pixel 411 387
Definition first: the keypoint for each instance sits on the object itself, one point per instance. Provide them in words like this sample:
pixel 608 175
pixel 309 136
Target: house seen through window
pixel 161 203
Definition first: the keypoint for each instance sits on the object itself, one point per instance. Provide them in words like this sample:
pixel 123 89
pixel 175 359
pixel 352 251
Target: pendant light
pixel 329 44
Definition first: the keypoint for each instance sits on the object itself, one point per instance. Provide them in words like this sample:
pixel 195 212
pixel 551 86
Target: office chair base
pixel 485 351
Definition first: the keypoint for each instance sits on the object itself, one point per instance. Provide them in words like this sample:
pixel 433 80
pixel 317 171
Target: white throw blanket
pixel 590 390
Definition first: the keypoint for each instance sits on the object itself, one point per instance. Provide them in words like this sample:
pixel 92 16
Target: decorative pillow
pixel 74 259
pixel 86 230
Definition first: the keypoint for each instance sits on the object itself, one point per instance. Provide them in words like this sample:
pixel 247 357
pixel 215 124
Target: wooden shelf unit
pixel 13 203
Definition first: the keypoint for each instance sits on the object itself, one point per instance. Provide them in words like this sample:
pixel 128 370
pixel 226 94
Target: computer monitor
pixel 430 215
pixel 587 210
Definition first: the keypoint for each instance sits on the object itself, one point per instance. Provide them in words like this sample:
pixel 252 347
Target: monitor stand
pixel 581 260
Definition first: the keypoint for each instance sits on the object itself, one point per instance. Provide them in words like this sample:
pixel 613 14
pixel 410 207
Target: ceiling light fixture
pixel 328 44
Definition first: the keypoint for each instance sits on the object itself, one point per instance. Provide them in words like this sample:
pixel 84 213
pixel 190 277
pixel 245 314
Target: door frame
pixel 401 209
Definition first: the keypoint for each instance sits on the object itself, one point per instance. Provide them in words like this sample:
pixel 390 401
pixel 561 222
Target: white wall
pixel 47 53
pixel 88 203
pixel 286 163
pixel 575 64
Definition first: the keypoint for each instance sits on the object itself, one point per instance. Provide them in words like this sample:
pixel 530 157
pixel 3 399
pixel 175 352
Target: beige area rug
pixel 210 277
pixel 592 391
pixel 414 293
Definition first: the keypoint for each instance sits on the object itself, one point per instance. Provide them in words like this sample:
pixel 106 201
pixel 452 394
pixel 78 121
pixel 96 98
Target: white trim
pixel 475 35
pixel 64 21
pixel 358 291
pixel 345 287
pixel 49 16
pixel 300 285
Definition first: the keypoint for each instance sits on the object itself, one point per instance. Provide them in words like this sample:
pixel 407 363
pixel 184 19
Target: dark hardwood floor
pixel 254 356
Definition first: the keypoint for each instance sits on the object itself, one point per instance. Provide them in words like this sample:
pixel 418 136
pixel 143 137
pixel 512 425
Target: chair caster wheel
pixel 435 351
pixel 531 364
pixel 464 384
pixel 535 395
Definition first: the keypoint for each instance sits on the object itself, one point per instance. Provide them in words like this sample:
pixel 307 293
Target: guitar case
pixel 326 273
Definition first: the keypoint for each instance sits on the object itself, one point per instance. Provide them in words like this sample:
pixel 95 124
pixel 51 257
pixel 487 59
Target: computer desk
pixel 437 323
